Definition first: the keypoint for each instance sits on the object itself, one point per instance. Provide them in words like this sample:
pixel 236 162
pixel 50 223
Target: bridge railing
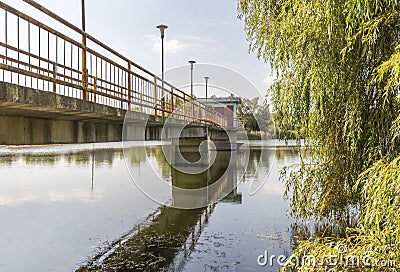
pixel 35 55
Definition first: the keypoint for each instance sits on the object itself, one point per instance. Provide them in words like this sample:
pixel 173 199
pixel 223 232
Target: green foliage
pixel 255 116
pixel 264 118
pixel 245 113
pixel 381 194
pixel 376 240
pixel 338 69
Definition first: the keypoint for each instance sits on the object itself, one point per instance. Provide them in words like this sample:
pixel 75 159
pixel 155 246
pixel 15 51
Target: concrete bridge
pixel 59 88
pixel 30 116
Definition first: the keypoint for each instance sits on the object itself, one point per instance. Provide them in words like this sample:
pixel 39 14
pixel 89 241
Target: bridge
pixel 72 88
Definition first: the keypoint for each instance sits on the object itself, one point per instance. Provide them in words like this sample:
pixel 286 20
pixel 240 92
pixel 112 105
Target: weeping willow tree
pixel 336 88
pixel 374 245
pixel 338 67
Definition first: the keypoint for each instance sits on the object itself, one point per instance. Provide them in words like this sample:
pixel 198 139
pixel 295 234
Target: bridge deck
pixel 38 56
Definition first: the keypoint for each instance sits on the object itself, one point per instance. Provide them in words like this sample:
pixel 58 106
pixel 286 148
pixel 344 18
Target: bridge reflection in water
pixel 75 207
pixel 171 234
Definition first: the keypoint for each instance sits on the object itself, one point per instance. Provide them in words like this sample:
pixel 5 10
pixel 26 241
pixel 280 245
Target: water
pixel 75 207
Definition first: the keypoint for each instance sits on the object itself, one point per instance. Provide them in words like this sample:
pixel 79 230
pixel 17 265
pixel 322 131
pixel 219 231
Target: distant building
pixel 226 106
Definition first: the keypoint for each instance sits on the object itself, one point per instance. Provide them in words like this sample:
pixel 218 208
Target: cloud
pixel 152 37
pixel 170 46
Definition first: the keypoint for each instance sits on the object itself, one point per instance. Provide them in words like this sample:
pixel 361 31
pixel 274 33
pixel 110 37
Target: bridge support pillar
pixel 134 132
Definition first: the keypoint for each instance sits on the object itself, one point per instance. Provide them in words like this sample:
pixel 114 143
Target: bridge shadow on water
pixel 170 234
pixel 155 246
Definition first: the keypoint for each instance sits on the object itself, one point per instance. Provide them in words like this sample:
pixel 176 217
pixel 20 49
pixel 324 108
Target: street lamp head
pixel 162 28
pixel 206 78
pixel 192 62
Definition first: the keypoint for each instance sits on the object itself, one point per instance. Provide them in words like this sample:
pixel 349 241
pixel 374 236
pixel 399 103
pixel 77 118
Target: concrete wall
pixel 21 130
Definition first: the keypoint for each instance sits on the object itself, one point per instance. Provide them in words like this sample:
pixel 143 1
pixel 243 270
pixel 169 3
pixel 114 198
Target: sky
pixel 205 31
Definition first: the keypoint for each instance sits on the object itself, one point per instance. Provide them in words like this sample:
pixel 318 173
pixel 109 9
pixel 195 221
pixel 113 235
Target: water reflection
pixel 80 209
pixel 83 157
pixel 155 245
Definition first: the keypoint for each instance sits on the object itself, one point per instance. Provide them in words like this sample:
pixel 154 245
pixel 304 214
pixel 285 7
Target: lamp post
pixel 162 29
pixel 84 69
pixel 206 78
pixel 206 111
pixel 83 15
pixel 191 76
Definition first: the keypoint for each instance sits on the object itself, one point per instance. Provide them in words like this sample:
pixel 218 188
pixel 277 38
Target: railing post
pixel 172 99
pixel 141 92
pixel 163 101
pixel 95 89
pixel 184 107
pixel 129 86
pixel 155 95
pixel 84 72
pixel 163 105
pixel 55 77
pixel 141 102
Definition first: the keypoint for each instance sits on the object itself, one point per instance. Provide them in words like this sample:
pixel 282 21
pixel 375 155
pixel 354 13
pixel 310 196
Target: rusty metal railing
pixel 35 55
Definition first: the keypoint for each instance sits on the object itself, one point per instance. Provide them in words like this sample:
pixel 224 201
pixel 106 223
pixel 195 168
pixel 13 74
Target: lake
pixel 81 208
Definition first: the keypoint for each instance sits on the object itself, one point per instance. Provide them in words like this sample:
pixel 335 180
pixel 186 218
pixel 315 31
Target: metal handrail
pixel 52 61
